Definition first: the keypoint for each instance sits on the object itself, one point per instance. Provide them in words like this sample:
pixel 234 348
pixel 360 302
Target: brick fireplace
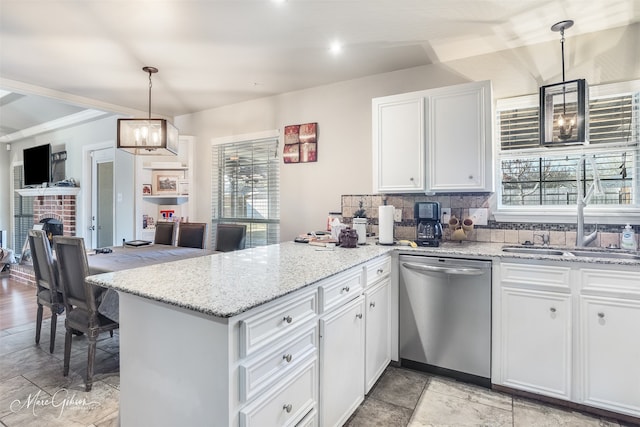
pixel 58 207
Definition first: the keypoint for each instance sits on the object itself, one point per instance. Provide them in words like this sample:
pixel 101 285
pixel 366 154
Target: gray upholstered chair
pixel 80 300
pixel 46 276
pixel 192 234
pixel 165 233
pixel 230 237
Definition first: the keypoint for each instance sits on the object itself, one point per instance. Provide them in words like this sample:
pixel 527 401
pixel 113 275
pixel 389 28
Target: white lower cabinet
pixel 341 362
pixel 570 333
pixel 609 348
pixel 536 341
pixel 377 331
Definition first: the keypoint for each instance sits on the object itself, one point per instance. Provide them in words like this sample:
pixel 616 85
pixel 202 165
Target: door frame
pixel 83 218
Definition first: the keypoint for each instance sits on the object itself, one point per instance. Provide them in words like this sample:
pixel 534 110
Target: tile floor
pixel 33 392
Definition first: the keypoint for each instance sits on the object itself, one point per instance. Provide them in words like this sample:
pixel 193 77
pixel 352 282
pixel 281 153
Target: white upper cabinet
pixel 398 143
pixel 459 138
pixel 436 140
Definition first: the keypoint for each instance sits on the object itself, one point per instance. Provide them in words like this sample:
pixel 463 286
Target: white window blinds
pixel 246 186
pixel 531 175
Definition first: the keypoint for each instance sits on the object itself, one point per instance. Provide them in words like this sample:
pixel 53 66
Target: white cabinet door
pixel 341 363
pixel 398 143
pixel 536 341
pixel 377 332
pixel 610 351
pixel 459 157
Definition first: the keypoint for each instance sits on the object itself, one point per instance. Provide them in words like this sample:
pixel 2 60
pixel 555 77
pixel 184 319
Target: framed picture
pixel 300 143
pixel 166 182
pixel 146 189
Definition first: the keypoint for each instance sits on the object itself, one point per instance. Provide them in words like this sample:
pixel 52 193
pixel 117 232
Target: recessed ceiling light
pixel 336 47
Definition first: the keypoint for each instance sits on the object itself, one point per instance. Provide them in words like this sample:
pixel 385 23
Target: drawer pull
pixel 287 407
pixel 287 319
pixel 601 315
pixel 380 271
pixel 359 315
pixel 552 309
pixel 345 289
pixel 287 357
pixel 372 304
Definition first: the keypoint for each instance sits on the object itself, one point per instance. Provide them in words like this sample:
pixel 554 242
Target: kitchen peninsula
pixel 243 338
pixel 197 335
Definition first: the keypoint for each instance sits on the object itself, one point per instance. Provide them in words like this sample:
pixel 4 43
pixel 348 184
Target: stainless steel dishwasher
pixel 445 316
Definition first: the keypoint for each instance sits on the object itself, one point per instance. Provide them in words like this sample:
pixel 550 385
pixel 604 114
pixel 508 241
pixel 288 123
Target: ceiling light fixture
pixel 563 106
pixel 148 136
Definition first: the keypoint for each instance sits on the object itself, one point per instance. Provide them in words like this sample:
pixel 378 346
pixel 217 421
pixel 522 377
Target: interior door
pixel 102 202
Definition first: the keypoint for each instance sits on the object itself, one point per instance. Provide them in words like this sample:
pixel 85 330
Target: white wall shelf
pixel 167 199
pixel 48 191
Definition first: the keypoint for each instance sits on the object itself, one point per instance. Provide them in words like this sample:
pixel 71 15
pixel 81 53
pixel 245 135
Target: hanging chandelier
pixel 148 136
pixel 563 106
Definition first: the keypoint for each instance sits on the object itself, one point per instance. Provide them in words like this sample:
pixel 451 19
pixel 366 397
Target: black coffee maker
pixel 429 228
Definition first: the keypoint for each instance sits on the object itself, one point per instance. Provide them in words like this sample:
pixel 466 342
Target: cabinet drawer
pixel 277 322
pixel 288 403
pixel 535 276
pixel 377 269
pixel 614 283
pixel 256 375
pixel 340 289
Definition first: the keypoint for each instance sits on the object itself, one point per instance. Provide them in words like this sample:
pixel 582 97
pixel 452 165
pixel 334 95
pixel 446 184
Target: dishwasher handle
pixel 462 271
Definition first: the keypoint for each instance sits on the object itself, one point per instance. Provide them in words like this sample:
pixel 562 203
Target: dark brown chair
pixel 80 300
pixel 165 233
pixel 46 276
pixel 192 234
pixel 230 237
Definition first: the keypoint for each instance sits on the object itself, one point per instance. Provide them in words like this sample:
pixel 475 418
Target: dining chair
pixel 80 300
pixel 192 234
pixel 165 233
pixel 230 237
pixel 46 276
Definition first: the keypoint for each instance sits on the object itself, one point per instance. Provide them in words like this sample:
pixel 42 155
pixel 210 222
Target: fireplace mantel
pixel 48 191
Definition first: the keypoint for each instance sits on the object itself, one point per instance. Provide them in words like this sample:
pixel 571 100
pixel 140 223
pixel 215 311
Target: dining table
pixel 117 258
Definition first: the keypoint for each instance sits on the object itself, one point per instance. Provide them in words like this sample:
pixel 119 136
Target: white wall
pixel 343 114
pixel 72 140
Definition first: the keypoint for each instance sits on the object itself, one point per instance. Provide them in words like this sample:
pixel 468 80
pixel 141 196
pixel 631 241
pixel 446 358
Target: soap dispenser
pixel 628 240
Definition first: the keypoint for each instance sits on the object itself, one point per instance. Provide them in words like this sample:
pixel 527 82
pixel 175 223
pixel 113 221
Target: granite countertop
pixel 227 284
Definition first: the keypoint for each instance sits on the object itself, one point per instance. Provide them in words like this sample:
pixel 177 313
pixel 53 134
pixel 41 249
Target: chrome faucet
pixel 595 187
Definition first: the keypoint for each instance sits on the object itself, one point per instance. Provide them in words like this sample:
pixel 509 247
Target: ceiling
pixel 71 61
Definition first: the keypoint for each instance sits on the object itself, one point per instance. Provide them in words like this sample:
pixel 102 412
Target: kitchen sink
pixel 539 250
pixel 605 254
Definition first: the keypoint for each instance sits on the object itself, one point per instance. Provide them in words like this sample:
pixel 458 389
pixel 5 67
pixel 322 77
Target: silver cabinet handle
pixel 465 271
pixel 287 357
pixel 411 179
pixel 552 309
pixel 287 407
pixel 346 289
pixel 359 315
pixel 601 315
pixel 372 304
pixel 380 271
pixel 287 319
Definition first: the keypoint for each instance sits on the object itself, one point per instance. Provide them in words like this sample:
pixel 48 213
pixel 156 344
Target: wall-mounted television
pixel 37 165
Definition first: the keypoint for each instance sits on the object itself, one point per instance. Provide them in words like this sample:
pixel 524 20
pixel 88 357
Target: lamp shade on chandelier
pixel 564 106
pixel 148 136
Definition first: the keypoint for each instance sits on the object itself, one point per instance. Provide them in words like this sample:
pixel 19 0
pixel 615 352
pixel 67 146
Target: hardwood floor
pixel 18 304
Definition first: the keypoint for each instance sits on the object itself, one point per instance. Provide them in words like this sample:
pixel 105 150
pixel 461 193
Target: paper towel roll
pixel 385 224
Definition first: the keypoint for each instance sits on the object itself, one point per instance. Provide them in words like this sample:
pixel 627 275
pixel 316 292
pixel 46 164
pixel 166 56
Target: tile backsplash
pixel 459 203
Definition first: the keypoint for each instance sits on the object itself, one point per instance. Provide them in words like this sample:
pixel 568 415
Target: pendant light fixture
pixel 563 106
pixel 148 136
